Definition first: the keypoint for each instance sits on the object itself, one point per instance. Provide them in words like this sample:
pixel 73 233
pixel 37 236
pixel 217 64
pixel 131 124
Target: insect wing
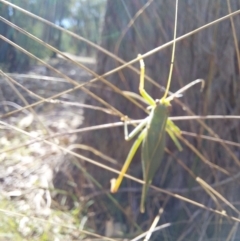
pixel 153 147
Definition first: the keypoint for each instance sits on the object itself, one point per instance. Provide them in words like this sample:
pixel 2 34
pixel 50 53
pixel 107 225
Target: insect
pixel 152 136
pixel 152 130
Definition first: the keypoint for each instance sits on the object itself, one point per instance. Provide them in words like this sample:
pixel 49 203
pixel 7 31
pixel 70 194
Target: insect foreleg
pixel 135 131
pixel 178 93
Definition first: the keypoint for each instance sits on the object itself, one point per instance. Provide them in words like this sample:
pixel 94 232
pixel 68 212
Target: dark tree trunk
pixel 208 54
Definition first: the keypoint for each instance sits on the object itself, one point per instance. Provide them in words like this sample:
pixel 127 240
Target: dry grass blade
pixel 224 214
pixel 187 143
pixel 24 101
pixel 153 226
pixel 158 228
pixel 81 39
pixel 131 24
pixel 214 192
pixel 62 75
pixel 59 118
pixel 97 77
pixel 117 124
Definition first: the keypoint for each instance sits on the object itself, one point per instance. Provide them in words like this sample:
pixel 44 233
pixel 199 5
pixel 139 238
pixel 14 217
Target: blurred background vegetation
pixel 49 193
pixel 81 17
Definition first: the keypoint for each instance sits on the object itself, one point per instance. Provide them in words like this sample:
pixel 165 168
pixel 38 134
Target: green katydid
pixel 152 137
pixel 152 130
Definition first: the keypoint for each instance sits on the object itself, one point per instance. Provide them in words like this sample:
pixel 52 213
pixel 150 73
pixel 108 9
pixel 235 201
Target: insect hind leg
pixel 115 184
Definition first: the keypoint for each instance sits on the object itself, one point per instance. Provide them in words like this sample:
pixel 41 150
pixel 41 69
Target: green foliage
pixel 86 18
pixel 80 16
